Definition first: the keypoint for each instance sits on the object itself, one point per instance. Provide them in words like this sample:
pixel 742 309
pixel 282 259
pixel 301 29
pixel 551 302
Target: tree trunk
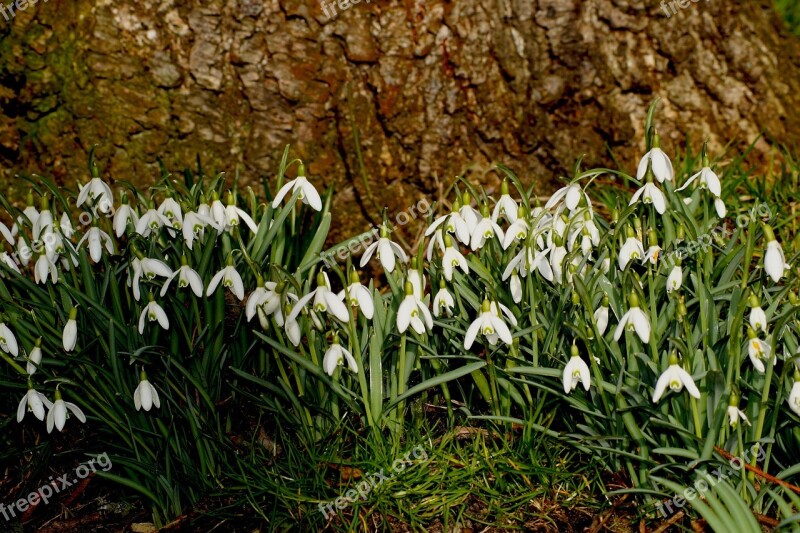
pixel 434 88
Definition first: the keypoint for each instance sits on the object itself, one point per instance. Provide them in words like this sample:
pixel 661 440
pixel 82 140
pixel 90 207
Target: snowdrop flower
pixel 187 277
pixel 145 396
pixel 515 285
pixel 651 194
pixel 98 192
pixel 774 260
pixel 794 396
pixel 44 268
pixel 263 297
pixel 230 279
pixel 675 278
pixel 335 356
pixel 44 222
pixel 194 226
pixel 758 351
pixel 96 238
pixel 452 259
pixel 469 214
pixel 217 211
pixel 453 223
pixel 758 318
pixel 292 327
pixel 506 206
pixel 387 250
pixel 443 301
pixel 557 255
pixel 6 233
pixel 27 218
pixel 171 210
pixel 517 231
pixel 69 337
pixel 153 312
pixel 719 206
pixel 631 250
pixel 151 221
pixel 9 262
pixel 308 194
pixel 490 325
pixel 413 312
pixel 325 301
pixel 676 378
pixel 359 296
pixel 34 402
pixel 417 278
pixel 661 165
pixel 57 416
pixel 651 255
pixel 576 371
pixel 8 342
pixel 149 269
pixel 634 320
pixel 124 215
pixel 529 260
pixel 485 229
pixel 708 180
pixel 601 316
pixel 233 214
pixel 734 413
pixel 571 195
pixel 34 358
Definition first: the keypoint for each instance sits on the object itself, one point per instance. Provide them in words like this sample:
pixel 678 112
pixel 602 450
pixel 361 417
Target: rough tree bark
pixel 437 87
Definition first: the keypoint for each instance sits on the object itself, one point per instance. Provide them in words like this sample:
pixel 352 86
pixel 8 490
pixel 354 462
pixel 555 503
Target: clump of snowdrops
pixel 652 333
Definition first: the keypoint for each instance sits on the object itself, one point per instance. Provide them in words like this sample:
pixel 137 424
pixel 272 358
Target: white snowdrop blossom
pixel 515 286
pixel 661 165
pixel 774 260
pixel 675 278
pixel 99 193
pixel 794 395
pixel 708 180
pixel 634 320
pixel 194 227
pixel 335 356
pixel 34 402
pixel 34 358
pixel 151 221
pixel 187 277
pixel 517 231
pixel 490 325
pixel 230 278
pixel 147 268
pixel 734 413
pixel 676 378
pixel 235 214
pixel 631 250
pixel 452 223
pixel 153 312
pixel 505 207
pixel 485 229
pixel 122 216
pixel 69 337
pixel 443 302
pixel 172 212
pixel 358 296
pixel 601 316
pixel 386 251
pixel 96 238
pixel 758 318
pixel 145 396
pixel 571 196
pixel 57 416
pixel 650 194
pixel 576 371
pixel 308 194
pixel 8 342
pixel 325 301
pixel 452 259
pixel 759 351
pixel 413 312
